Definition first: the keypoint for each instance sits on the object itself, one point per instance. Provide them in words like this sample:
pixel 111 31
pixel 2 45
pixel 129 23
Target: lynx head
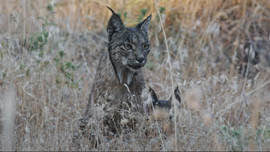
pixel 166 105
pixel 128 46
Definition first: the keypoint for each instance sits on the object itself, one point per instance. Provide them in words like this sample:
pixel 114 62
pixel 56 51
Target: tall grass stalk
pixel 170 71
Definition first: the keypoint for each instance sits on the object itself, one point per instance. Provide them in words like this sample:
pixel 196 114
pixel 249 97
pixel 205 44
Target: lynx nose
pixel 140 58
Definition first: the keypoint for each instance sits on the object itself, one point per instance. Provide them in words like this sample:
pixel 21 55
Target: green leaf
pixel 61 53
pixel 40 38
pixel 50 7
pixel 69 65
pixel 143 12
pixel 22 67
pixel 162 9
pixel 42 18
pixel 73 67
pixel 125 14
pixel 46 34
pixel 68 75
pixel 56 59
pixel 4 74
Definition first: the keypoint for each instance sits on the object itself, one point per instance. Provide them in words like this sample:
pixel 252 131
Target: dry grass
pixel 220 109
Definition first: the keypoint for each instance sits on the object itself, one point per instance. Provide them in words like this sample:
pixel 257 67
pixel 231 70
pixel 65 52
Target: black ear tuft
pixel 115 25
pixel 177 94
pixel 143 26
pixel 153 95
pixel 110 9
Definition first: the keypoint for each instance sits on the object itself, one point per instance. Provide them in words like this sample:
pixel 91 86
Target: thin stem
pixel 170 67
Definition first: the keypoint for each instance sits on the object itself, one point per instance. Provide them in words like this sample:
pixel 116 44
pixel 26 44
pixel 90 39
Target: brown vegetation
pixel 49 54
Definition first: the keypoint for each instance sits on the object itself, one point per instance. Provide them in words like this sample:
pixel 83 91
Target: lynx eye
pixel 145 46
pixel 127 46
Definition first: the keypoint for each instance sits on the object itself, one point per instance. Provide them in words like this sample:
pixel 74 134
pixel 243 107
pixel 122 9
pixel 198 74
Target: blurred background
pixel 219 56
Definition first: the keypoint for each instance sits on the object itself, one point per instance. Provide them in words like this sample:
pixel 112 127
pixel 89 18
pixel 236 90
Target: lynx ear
pixel 177 94
pixel 143 26
pixel 115 25
pixel 153 95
